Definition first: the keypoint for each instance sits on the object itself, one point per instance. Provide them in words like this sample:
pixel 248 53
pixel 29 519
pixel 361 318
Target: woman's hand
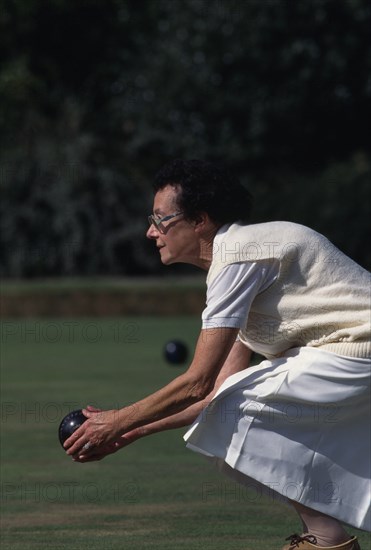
pixel 102 452
pixel 98 436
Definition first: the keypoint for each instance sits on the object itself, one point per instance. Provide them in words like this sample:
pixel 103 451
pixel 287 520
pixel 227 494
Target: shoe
pixel 306 542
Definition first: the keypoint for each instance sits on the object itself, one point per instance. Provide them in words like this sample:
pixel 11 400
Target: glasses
pixel 157 222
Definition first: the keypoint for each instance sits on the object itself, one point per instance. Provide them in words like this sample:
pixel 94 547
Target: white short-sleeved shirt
pixel 231 293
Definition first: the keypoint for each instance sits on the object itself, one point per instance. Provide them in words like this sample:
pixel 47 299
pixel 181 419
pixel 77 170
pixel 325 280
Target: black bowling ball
pixel 175 352
pixel 69 424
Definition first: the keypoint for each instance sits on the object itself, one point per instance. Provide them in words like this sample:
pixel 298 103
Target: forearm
pixel 186 390
pixel 162 410
pixel 186 393
pixel 238 359
pixel 178 420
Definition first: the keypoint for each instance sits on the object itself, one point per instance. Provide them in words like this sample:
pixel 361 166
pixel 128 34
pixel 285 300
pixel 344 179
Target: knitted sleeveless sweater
pixel 320 298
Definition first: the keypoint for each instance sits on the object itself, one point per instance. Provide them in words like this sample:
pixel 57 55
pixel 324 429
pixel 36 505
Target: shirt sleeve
pixel 231 293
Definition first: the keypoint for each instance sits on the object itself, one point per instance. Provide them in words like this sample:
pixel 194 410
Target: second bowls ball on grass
pixel 176 352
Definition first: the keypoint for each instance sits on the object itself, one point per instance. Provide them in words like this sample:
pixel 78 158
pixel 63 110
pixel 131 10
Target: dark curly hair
pixel 206 187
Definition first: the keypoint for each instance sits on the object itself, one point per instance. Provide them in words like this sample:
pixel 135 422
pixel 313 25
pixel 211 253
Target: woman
pixel 296 425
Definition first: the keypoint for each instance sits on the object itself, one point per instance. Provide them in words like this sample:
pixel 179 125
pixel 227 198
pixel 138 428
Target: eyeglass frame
pixel 158 221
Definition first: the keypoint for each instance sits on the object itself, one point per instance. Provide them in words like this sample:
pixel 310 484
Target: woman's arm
pixel 100 429
pixel 237 360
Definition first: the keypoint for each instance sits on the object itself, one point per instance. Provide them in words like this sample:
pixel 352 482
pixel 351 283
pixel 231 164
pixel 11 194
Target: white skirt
pixel 296 428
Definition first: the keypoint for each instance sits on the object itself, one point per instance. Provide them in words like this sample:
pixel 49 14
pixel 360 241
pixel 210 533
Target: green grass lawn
pixel 153 494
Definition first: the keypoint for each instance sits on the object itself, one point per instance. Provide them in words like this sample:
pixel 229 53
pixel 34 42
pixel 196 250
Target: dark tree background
pixel 96 95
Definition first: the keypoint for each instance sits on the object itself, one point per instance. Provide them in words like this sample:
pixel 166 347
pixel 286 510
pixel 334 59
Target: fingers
pixel 81 447
pixel 76 442
pixel 97 454
pixel 82 458
pixel 90 409
pixel 70 445
pixel 94 435
pixel 91 435
pixel 78 448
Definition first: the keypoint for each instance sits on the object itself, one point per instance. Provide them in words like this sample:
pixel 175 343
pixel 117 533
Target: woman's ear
pixel 203 222
pixel 200 220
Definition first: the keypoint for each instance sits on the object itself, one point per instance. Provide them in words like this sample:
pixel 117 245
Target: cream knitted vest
pixel 321 298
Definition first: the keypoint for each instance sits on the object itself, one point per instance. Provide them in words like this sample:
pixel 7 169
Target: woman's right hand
pixel 113 447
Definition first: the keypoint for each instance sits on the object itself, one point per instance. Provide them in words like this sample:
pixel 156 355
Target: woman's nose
pixel 152 232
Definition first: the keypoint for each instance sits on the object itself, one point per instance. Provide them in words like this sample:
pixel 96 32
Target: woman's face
pixel 175 238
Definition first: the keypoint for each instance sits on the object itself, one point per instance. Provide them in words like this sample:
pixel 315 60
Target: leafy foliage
pixel 96 96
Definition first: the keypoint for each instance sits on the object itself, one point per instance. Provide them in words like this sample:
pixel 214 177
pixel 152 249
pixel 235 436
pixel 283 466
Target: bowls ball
pixel 175 352
pixel 69 424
